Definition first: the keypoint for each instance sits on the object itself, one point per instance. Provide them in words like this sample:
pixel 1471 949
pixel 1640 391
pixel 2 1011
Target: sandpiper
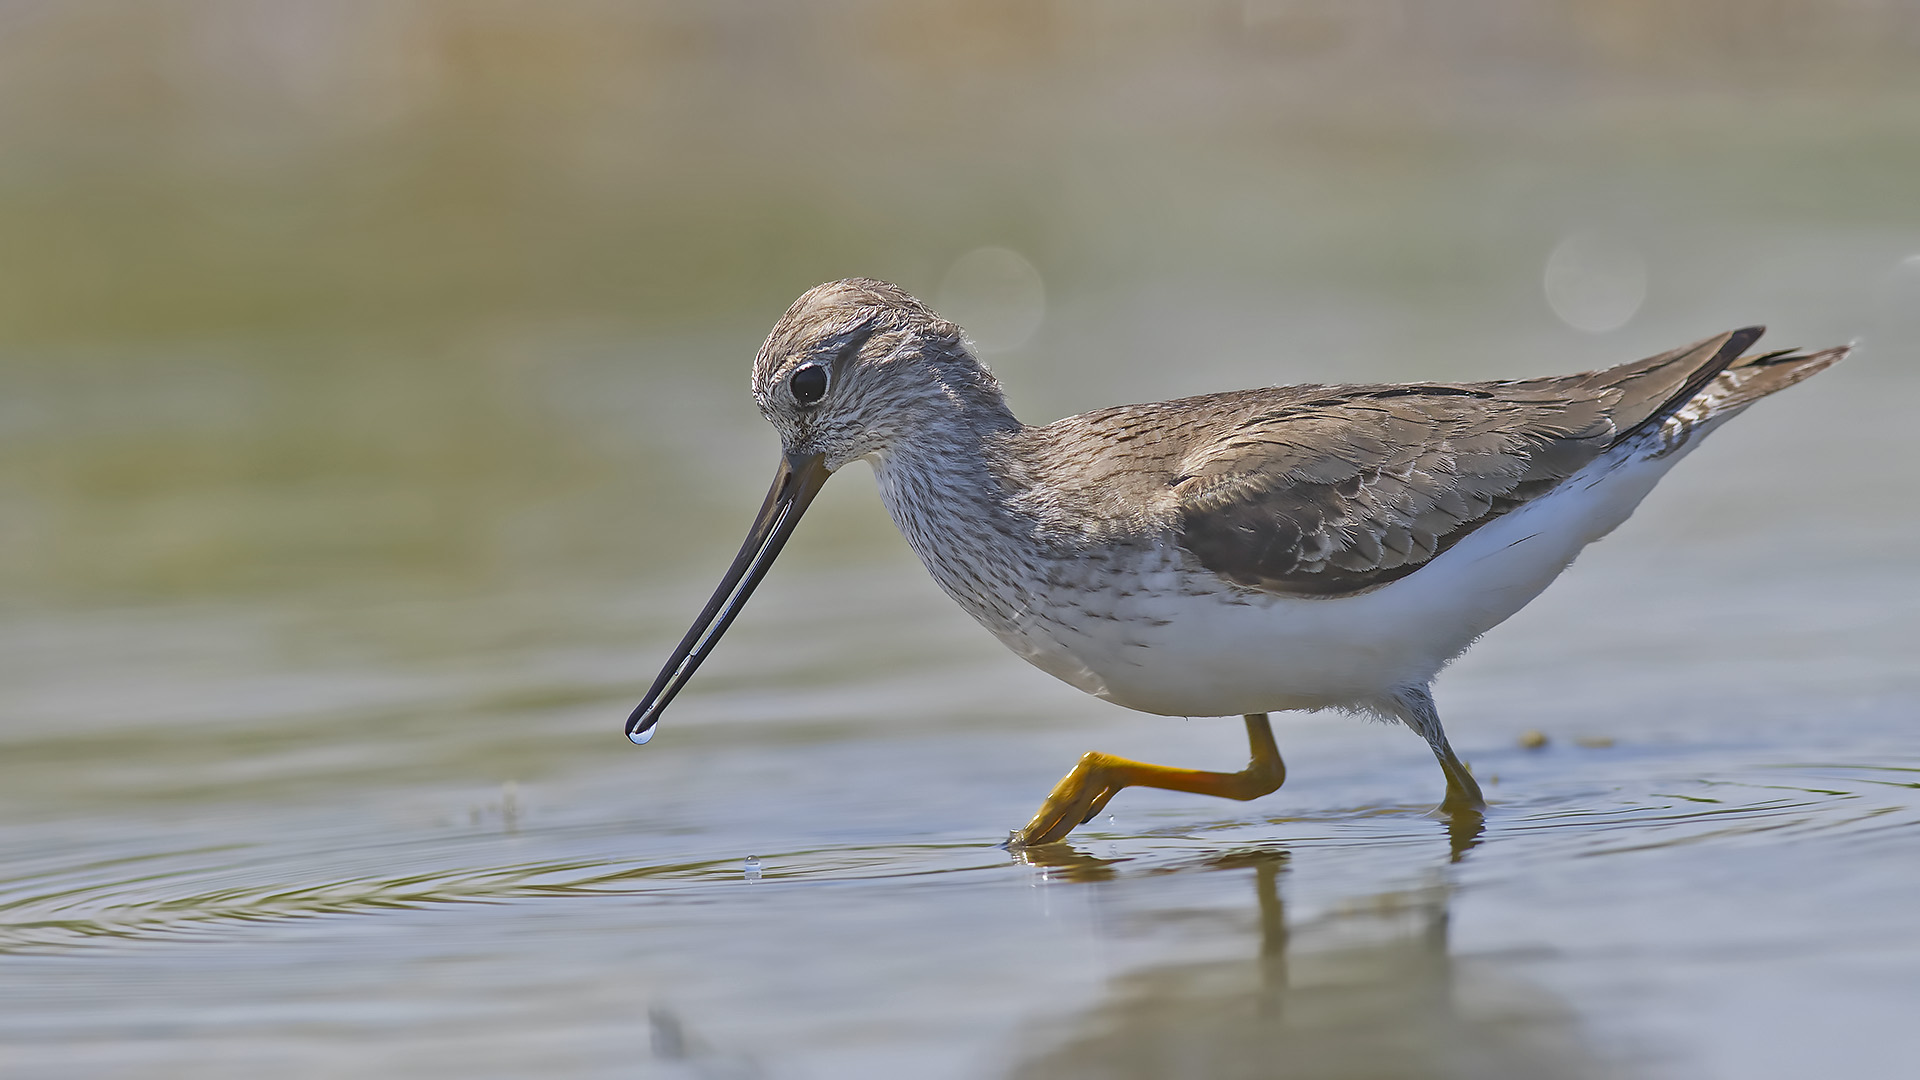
pixel 1295 547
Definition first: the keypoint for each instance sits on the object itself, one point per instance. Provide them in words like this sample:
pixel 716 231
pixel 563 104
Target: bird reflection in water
pixel 1370 989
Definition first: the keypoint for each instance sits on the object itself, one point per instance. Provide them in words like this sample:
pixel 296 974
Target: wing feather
pixel 1361 486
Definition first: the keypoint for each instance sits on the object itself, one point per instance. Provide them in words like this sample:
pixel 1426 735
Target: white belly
pixel 1205 651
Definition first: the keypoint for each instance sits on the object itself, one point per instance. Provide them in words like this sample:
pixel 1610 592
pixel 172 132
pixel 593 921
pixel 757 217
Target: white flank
pixel 1162 649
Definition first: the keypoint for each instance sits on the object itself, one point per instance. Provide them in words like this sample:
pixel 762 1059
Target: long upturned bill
pixel 798 480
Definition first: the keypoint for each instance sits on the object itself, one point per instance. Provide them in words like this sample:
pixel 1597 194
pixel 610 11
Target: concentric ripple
pixel 204 892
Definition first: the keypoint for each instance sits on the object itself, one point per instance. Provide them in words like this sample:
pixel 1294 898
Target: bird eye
pixel 809 384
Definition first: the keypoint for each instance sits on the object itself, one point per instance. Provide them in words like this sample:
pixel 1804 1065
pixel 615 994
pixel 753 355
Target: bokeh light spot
pixel 996 295
pixel 1595 282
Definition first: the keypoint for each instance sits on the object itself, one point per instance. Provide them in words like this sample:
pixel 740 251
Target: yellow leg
pixel 1463 794
pixel 1083 792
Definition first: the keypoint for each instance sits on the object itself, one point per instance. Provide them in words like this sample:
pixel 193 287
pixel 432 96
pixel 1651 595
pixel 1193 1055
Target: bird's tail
pixel 1751 378
pixel 1739 385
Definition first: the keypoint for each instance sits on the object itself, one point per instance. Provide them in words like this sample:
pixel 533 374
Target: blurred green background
pixel 413 296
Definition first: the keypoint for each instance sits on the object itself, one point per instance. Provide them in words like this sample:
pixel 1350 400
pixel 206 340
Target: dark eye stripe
pixel 808 383
pixel 851 347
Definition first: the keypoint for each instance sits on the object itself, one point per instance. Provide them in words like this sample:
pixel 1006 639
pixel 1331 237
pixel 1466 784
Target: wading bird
pixel 1295 547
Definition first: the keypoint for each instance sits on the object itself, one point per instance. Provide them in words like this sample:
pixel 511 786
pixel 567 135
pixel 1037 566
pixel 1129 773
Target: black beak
pixel 794 486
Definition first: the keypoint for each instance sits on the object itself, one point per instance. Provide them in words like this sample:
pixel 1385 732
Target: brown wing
pixel 1360 486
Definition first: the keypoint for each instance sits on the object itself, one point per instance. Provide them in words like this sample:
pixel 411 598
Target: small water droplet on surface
pixel 751 868
pixel 510 805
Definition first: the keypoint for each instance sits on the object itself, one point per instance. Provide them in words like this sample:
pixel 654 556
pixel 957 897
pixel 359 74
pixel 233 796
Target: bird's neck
pixel 950 468
pixel 952 494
